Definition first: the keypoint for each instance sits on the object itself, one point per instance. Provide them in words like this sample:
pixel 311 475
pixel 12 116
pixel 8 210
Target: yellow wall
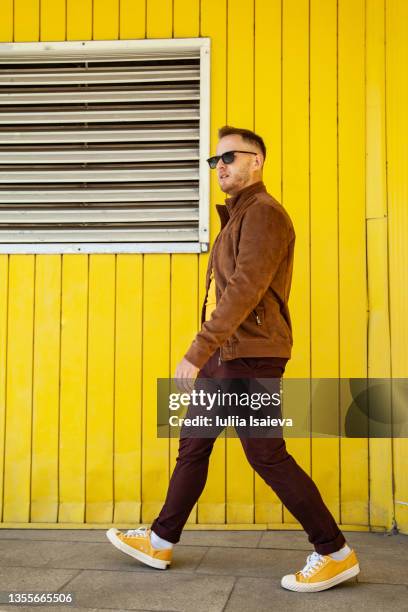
pixel 83 338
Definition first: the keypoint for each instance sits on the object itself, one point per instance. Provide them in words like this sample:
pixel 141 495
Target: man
pixel 246 332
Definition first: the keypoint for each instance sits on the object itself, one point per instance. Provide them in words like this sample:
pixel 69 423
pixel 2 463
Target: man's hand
pixel 185 371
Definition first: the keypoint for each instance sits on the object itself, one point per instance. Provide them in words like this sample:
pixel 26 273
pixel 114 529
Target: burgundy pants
pixel 269 458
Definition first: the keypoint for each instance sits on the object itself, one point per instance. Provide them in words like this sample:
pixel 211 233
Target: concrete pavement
pixel 212 571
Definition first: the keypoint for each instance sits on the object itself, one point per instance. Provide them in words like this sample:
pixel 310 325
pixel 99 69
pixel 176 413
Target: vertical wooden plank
pixel 52 20
pixel 185 309
pixel 101 341
pixel 211 505
pixel 26 20
pixel 397 189
pixel 295 198
pixel 79 19
pixel 352 248
pixel 159 18
pixel 128 389
pixel 74 341
pixel 6 21
pixel 4 267
pixel 183 324
pixel 19 389
pixel 132 19
pixel 156 324
pixel 324 244
pixel 376 183
pixel 268 89
pixel 379 361
pixel 268 114
pixel 100 396
pixel 380 449
pixel 186 23
pixel 73 381
pixel 240 113
pixel 156 351
pixel 46 373
pixel 105 19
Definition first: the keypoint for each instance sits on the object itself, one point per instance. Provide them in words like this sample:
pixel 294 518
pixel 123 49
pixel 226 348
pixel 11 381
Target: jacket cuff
pixel 197 356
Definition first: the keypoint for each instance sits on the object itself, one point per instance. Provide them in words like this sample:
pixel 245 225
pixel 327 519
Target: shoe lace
pixel 313 561
pixel 137 533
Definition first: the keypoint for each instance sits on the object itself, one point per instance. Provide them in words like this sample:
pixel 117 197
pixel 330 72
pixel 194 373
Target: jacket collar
pixel 235 202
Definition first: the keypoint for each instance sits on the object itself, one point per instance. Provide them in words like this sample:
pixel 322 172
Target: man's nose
pixel 220 164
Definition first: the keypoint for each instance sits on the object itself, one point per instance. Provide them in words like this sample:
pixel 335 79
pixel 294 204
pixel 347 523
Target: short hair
pixel 247 135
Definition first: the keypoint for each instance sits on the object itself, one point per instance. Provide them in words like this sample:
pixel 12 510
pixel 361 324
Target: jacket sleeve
pixel 263 243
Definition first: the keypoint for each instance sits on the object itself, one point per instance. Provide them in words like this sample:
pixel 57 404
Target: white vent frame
pixel 122 49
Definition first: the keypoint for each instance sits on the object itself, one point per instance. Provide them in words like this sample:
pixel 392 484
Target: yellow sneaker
pixel 137 544
pixel 322 572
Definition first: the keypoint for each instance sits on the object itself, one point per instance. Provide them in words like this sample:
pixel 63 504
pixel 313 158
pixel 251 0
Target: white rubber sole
pixel 289 581
pixel 111 534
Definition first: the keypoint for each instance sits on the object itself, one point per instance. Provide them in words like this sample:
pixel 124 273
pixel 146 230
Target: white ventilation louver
pixel 103 146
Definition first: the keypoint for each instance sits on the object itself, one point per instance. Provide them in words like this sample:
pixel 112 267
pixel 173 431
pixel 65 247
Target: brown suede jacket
pixel 252 259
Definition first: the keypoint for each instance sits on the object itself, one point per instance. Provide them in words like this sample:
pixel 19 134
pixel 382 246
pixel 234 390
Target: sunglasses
pixel 227 157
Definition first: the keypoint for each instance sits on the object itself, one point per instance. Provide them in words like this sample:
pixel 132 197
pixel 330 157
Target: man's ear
pixel 258 161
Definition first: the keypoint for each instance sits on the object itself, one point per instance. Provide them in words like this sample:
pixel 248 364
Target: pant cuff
pixel 329 547
pixel 162 533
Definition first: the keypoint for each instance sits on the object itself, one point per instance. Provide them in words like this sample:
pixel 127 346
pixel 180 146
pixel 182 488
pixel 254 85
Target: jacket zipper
pixel 258 320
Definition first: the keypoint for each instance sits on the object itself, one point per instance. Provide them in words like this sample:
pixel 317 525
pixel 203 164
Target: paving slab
pixel 298 540
pixel 33 578
pixel 377 541
pixel 156 590
pixel 188 538
pixel 264 595
pixel 16 553
pixel 63 535
pixel 74 609
pixel 390 567
pixel 251 562
pixel 241 539
pixel 291 540
pixel 86 555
